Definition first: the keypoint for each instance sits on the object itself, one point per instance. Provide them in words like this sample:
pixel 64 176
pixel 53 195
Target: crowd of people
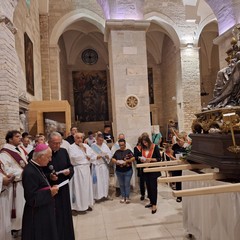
pixel 43 182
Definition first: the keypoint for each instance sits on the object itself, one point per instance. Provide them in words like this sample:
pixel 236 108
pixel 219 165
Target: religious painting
pixel 90 96
pixel 28 47
pixel 150 86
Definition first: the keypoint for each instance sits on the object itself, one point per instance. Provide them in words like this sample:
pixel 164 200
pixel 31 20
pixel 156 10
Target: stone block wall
pixel 65 83
pixel 27 20
pixel 9 103
pixel 44 44
pixel 169 70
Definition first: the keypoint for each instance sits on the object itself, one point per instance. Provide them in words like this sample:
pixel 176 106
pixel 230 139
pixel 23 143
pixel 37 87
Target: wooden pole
pixel 156 164
pixel 198 177
pixel 176 168
pixel 235 187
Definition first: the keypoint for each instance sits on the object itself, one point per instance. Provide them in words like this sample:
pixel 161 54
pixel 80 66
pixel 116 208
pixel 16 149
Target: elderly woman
pixel 81 156
pixel 123 159
pixel 150 153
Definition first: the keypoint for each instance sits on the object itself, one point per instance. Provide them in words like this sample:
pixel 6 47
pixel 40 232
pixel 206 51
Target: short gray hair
pixel 53 134
pixel 37 155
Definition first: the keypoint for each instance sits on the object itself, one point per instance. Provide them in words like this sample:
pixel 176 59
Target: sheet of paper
pixel 63 183
pixel 62 171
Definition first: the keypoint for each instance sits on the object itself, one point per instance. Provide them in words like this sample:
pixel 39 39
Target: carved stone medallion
pixel 132 101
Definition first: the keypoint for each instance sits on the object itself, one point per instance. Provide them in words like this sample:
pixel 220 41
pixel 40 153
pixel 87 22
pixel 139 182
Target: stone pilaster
pixel 128 74
pixel 9 102
pixel 188 88
pixel 54 75
pixel 44 43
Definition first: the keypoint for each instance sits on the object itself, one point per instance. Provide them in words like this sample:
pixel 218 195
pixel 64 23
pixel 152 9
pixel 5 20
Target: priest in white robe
pixel 81 189
pixel 5 218
pixel 14 161
pixel 100 168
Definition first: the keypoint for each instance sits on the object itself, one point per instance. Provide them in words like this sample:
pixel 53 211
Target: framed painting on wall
pixel 29 68
pixel 90 96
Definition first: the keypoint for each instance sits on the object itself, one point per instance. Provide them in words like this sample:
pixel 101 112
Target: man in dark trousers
pixel 59 170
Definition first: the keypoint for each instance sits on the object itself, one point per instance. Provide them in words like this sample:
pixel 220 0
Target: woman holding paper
pixel 123 159
pixel 150 153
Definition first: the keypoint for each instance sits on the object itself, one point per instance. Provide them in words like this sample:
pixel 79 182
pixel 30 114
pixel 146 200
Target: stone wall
pixel 27 20
pixel 169 71
pixel 43 21
pixel 65 83
pixel 9 103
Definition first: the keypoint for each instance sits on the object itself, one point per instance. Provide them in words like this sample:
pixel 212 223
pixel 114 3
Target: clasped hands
pixel 8 179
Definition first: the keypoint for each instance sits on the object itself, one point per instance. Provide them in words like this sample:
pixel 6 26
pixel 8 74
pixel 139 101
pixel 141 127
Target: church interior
pixel 133 65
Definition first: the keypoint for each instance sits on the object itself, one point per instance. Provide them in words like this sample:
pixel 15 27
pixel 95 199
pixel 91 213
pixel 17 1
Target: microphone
pixel 52 169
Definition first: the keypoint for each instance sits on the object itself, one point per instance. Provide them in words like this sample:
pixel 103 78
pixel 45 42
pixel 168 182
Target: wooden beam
pixel 198 177
pixel 156 164
pixel 176 168
pixel 235 187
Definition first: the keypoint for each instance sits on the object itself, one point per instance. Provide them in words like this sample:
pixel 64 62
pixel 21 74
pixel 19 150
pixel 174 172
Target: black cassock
pixel 61 161
pixel 39 220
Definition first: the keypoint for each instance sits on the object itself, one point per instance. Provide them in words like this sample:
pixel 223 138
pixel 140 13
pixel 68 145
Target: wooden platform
pixel 211 149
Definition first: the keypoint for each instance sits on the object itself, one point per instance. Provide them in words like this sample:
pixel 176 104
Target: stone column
pixel 54 75
pixel 188 88
pixel 44 29
pixel 9 103
pixel 128 77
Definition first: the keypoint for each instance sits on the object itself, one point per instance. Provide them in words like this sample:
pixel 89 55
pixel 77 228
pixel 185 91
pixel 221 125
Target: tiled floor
pixel 111 220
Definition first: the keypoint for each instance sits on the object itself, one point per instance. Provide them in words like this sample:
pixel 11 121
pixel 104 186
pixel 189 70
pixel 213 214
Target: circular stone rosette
pixel 132 102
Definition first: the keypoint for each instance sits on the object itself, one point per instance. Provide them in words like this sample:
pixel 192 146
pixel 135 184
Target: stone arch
pixel 73 54
pixel 73 16
pixel 171 28
pixel 209 19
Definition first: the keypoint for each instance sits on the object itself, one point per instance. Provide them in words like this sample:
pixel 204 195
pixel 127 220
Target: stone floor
pixel 113 220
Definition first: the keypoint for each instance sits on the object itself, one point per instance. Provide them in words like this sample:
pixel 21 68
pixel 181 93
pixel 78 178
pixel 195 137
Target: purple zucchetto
pixel 41 147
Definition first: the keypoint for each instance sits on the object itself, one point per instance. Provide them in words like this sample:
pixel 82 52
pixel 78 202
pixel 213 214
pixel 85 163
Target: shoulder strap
pixel 15 156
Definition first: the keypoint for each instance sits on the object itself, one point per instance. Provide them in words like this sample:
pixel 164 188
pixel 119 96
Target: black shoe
pixel 154 211
pixel 142 198
pixel 82 212
pixel 89 209
pixel 74 213
pixel 179 199
pixel 148 205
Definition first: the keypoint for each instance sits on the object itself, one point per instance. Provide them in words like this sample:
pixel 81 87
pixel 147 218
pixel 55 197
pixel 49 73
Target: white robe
pixel 101 187
pixel 114 148
pixel 81 188
pixel 5 219
pixel 12 167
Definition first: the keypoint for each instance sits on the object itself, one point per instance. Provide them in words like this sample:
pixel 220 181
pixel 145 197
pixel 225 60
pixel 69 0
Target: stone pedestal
pixel 128 77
